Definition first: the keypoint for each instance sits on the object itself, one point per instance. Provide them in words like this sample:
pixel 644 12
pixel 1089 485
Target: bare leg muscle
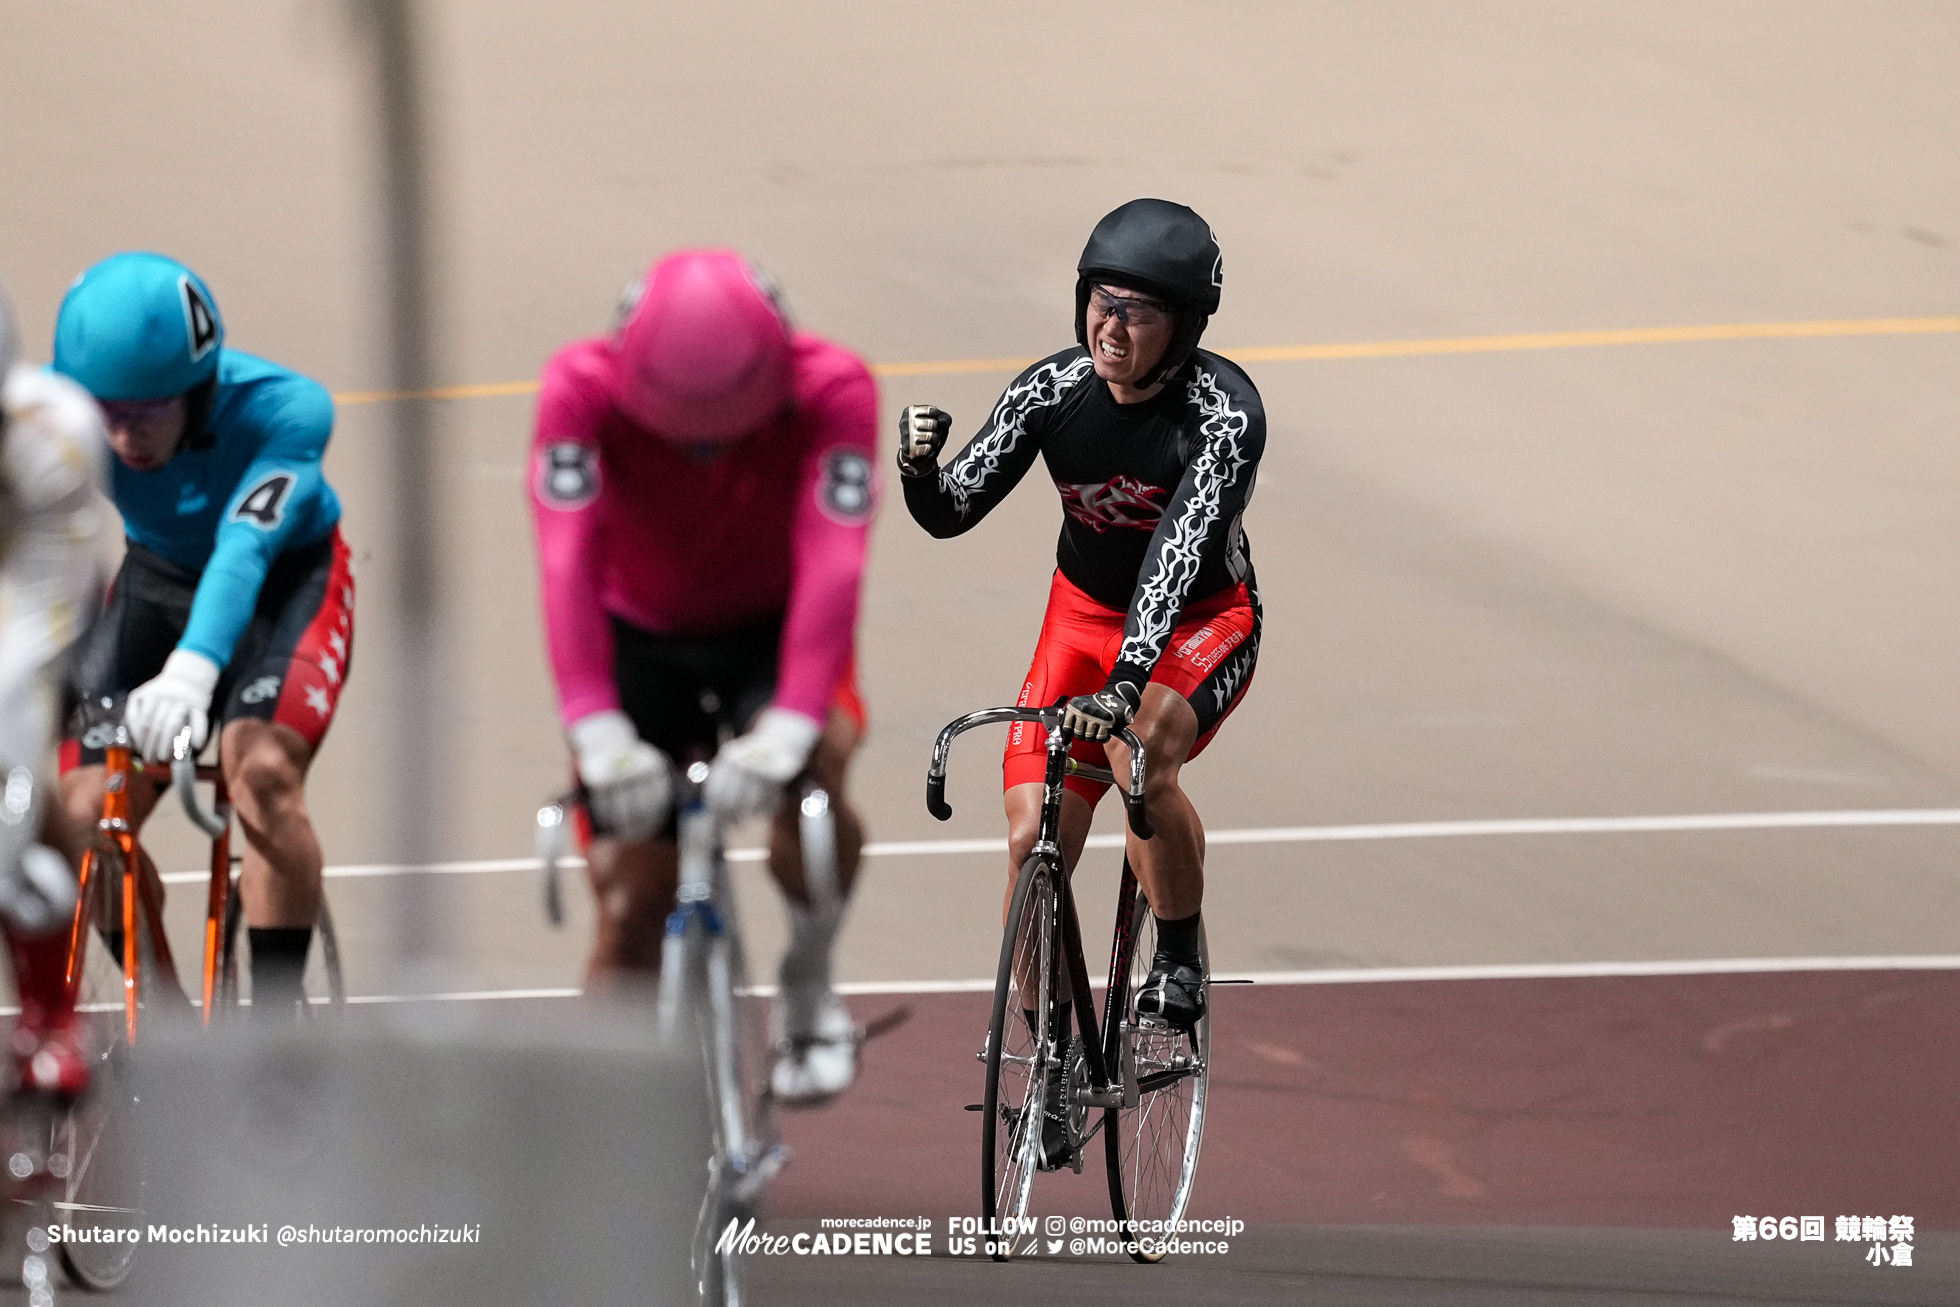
pixel 265 771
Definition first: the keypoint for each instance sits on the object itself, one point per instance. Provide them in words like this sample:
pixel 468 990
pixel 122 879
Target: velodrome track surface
pixel 1671 1102
pixel 1525 1140
pixel 1705 569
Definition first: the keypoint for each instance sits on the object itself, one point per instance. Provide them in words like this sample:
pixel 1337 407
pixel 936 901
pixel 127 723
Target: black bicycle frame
pixel 1063 924
pixel 1067 928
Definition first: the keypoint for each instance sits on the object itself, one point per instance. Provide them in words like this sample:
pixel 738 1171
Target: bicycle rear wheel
pixel 323 983
pixel 1017 1055
pixel 1151 1149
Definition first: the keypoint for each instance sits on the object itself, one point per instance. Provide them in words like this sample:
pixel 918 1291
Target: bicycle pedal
pixel 975 1107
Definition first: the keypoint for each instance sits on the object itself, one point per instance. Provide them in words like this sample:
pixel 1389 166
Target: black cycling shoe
pixel 1174 991
pixel 1054 1113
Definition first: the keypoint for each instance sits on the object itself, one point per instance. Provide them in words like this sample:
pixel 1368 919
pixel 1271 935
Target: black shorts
pixel 288 666
pixel 686 694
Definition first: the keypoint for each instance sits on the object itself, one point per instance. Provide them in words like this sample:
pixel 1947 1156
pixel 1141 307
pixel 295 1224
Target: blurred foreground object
pixel 560 1149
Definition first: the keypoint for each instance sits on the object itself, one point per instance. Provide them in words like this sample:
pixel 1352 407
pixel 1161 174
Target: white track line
pixel 467 996
pixel 1714 821
pixel 1516 971
pixel 1352 976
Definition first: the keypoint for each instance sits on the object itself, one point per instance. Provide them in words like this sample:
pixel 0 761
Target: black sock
pixel 278 964
pixel 1178 940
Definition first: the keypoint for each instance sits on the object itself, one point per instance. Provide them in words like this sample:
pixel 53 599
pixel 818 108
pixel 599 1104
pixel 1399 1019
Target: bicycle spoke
pixel 1017 1049
pixel 97 1133
pixel 1152 1147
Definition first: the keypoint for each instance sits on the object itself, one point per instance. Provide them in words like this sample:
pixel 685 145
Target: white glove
pixel 751 770
pixel 628 782
pixel 179 696
pixel 921 432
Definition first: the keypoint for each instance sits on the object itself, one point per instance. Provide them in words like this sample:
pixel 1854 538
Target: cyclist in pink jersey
pixel 702 485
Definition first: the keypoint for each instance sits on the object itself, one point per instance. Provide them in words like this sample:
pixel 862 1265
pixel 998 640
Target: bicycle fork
pixel 142 900
pixel 697 981
pixel 1103 1089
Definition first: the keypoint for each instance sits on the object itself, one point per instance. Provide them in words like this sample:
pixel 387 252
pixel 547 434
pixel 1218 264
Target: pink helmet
pixel 704 349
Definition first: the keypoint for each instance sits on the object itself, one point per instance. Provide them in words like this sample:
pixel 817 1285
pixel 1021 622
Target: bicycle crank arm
pixel 1156 1080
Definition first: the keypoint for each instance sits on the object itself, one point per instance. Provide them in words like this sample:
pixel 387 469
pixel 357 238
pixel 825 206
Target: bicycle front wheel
pixel 101 1194
pixel 91 1145
pixel 703 993
pixel 1019 1048
pixel 1151 1149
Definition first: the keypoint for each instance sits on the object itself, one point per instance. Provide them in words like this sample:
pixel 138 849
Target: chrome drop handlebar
pixel 183 777
pixel 1051 719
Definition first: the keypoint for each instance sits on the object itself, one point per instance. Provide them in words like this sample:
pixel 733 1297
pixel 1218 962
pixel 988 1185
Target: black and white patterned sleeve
pixel 994 461
pixel 1203 526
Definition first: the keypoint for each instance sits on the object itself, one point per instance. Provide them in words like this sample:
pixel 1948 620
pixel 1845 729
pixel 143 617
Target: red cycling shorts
pixel 1209 659
pixel 287 667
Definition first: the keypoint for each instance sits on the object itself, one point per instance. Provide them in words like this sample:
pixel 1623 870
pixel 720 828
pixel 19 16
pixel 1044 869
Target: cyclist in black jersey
pixel 1153 620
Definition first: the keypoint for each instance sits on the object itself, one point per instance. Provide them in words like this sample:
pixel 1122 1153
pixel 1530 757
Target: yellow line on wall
pixel 1373 349
pixel 1589 339
pixel 484 391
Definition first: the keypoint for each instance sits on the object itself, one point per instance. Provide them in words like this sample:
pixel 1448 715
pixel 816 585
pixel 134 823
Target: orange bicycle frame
pixel 142 894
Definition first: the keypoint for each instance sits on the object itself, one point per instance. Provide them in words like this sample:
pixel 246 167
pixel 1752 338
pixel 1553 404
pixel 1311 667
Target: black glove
pixel 921 432
pixel 1096 717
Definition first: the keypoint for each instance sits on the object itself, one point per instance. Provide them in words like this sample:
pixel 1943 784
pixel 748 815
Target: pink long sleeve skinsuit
pixel 634 527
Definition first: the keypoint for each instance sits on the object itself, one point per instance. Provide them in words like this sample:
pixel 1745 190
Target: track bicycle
pixel 705 996
pixel 1147 1077
pixel 120 968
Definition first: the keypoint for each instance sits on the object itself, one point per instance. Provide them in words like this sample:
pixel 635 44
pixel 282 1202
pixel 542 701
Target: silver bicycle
pixel 705 996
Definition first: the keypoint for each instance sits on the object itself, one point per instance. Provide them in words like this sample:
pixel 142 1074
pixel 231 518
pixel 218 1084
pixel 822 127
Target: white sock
pixel 805 973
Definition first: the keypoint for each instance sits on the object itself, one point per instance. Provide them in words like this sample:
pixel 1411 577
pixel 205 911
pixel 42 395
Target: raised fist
pixel 921 433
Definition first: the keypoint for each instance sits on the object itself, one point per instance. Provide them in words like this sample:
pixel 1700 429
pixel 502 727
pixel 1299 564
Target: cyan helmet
pixel 138 326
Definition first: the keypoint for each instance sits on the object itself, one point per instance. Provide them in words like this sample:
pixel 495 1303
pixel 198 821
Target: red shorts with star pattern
pixel 288 666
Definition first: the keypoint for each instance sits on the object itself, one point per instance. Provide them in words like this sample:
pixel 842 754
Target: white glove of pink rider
pixel 628 782
pixel 178 696
pixel 750 771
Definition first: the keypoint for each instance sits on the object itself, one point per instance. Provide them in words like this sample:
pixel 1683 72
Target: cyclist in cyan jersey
pixel 1153 616
pixel 234 606
pixel 52 453
pixel 703 491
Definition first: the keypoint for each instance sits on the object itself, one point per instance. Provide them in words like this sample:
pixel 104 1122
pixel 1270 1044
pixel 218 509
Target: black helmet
pixel 1163 249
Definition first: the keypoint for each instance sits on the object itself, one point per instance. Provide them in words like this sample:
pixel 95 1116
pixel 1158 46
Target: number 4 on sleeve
pixel 265 503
